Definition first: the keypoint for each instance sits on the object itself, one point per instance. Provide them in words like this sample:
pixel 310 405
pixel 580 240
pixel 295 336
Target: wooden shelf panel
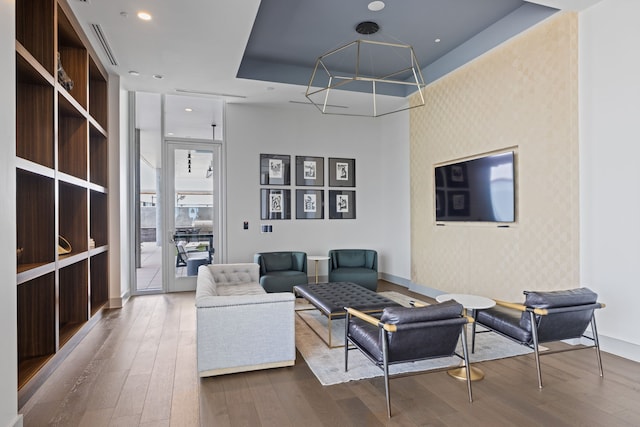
pixel 99 279
pixel 73 299
pixel 74 58
pixel 35 30
pixel 72 143
pixel 98 108
pixel 35 219
pixel 34 116
pixel 98 152
pixel 36 318
pixel 98 208
pixel 28 272
pixel 72 219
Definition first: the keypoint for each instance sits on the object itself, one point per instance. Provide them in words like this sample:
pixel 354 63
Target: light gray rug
pixel 328 364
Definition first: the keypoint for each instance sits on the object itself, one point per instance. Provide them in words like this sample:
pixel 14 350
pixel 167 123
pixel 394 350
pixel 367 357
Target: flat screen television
pixel 477 190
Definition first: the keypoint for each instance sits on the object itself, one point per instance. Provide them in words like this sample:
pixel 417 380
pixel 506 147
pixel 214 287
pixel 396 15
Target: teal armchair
pixel 281 271
pixel 359 266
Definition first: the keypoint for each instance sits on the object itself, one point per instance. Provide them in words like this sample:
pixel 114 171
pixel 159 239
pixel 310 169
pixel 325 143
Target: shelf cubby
pixel 97 94
pixel 98 218
pixel 98 152
pixel 35 220
pixel 72 219
pixel 72 140
pixel 73 58
pixel 35 29
pixel 34 115
pixel 36 325
pixel 73 299
pixel 99 277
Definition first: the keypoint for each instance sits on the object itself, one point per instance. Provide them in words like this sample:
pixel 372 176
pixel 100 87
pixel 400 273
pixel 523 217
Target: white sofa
pixel 240 327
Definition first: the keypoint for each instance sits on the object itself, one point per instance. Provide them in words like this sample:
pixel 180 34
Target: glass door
pixel 192 215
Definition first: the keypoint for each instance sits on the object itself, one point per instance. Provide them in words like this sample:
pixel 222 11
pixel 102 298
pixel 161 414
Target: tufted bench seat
pixel 331 299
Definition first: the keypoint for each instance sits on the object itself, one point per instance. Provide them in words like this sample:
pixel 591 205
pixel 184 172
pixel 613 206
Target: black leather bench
pixel 331 299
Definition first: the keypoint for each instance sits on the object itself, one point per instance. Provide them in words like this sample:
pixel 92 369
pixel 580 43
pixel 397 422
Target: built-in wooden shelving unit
pixel 61 178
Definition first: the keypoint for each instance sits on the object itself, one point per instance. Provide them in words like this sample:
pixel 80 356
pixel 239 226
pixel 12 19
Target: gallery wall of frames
pixel 299 187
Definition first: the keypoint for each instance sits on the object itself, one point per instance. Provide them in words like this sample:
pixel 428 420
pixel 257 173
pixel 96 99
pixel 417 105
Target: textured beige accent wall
pixel 523 94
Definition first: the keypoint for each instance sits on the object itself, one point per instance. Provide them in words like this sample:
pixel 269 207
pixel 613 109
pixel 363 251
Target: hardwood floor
pixel 137 367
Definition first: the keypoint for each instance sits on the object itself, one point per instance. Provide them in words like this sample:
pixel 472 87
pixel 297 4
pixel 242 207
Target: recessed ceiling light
pixel 158 76
pixel 376 6
pixel 170 133
pixel 188 110
pixel 145 16
pixel 437 40
pixel 134 73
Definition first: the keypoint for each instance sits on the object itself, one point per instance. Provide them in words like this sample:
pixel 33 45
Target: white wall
pixel 118 261
pixel 610 149
pixel 8 316
pixel 380 147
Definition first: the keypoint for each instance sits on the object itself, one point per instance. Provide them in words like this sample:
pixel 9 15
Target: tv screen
pixel 481 189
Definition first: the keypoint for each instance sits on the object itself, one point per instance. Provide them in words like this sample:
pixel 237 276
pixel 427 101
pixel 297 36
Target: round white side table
pixel 317 258
pixel 470 303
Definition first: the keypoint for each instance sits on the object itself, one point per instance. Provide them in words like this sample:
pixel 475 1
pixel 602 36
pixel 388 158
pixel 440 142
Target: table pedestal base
pixel 461 373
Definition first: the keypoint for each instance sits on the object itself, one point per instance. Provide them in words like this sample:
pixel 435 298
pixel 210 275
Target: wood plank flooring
pixel 137 367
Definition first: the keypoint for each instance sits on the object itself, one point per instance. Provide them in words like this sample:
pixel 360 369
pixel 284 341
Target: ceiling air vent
pixel 97 30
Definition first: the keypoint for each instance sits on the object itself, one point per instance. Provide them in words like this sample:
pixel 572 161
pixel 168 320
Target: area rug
pixel 328 364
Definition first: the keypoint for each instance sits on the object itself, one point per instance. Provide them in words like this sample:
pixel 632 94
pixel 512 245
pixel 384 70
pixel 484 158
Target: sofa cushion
pixel 277 261
pixel 555 299
pixel 232 277
pixel 240 289
pixel 552 299
pixel 351 258
pixel 400 315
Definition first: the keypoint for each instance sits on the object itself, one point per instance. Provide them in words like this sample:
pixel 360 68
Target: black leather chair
pixel 403 334
pixel 546 317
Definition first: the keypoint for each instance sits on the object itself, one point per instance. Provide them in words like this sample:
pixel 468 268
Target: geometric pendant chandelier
pixel 366 77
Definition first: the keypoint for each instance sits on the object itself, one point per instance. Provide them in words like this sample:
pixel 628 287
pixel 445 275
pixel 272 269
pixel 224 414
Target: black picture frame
pixel 309 171
pixel 342 204
pixel 439 177
pixel 440 204
pixel 309 204
pixel 458 203
pixel 275 203
pixel 275 169
pixel 342 172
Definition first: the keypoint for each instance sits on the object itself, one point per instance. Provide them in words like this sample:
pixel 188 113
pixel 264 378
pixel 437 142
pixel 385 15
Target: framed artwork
pixel 275 169
pixel 310 171
pixel 309 204
pixel 458 203
pixel 342 204
pixel 342 172
pixel 457 175
pixel 275 203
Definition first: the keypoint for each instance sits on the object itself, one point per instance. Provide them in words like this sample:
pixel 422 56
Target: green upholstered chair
pixel 281 271
pixel 359 266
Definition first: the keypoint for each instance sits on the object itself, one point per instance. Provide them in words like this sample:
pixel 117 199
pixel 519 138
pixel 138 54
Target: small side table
pixel 317 258
pixel 470 303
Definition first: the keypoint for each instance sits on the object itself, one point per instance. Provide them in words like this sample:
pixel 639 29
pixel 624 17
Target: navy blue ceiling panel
pixel 288 35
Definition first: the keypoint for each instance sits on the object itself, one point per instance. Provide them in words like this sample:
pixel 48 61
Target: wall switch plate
pixel 266 228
